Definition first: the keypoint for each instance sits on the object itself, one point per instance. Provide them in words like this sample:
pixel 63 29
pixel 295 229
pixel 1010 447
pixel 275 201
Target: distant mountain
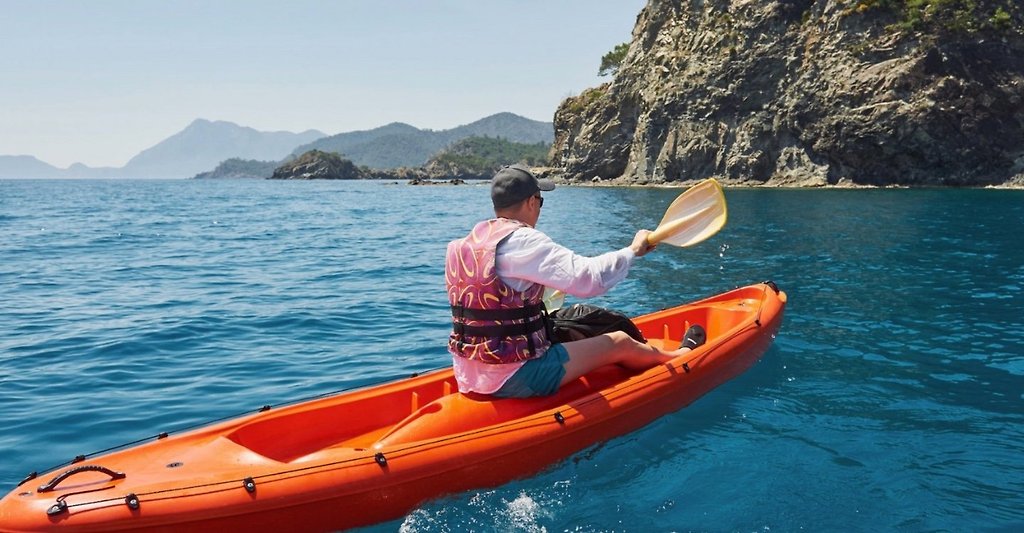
pixel 26 166
pixel 200 146
pixel 401 145
pixel 508 126
pixel 79 170
pixel 204 144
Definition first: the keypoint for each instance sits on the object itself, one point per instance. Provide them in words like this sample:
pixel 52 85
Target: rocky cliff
pixel 807 93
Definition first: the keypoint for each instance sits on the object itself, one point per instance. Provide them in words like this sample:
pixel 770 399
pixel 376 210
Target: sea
pixel 892 398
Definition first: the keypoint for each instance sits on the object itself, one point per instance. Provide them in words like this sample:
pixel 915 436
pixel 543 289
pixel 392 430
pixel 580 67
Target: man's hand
pixel 640 245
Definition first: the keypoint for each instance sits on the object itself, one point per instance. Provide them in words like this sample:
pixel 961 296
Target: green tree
pixel 612 60
pixel 484 155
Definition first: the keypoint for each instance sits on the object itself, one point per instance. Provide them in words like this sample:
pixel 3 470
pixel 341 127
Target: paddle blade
pixel 693 216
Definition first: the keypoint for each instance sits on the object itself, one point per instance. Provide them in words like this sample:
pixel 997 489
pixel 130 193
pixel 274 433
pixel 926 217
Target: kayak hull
pixel 374 454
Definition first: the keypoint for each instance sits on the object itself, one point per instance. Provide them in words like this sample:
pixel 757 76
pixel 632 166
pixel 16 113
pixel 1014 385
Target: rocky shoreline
pixel 562 181
pixel 321 165
pixel 746 184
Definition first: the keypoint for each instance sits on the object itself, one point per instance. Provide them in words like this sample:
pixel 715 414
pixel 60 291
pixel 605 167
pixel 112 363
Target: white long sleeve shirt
pixel 529 256
pixel 526 257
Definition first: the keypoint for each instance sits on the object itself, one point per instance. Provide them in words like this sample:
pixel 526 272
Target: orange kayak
pixel 374 454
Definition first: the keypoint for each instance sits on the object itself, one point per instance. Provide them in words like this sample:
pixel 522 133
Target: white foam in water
pixel 414 519
pixel 522 514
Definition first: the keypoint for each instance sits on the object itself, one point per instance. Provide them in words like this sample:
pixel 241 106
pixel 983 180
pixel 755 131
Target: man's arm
pixel 529 256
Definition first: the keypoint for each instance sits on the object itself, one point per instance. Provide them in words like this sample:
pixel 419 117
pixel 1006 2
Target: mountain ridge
pixel 199 146
pixel 204 144
pixel 401 145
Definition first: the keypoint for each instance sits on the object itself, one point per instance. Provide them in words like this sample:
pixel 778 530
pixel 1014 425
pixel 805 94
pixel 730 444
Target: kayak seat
pixel 666 332
pixel 459 412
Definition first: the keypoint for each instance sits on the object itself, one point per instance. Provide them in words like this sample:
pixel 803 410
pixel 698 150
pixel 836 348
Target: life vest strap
pixel 501 330
pixel 495 315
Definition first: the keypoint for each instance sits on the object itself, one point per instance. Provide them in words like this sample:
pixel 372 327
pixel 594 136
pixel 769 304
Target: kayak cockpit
pixel 354 420
pixel 430 407
pixel 401 417
pixel 458 413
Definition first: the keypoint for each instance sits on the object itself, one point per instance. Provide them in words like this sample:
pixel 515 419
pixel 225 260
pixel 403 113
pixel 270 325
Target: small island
pixel 467 159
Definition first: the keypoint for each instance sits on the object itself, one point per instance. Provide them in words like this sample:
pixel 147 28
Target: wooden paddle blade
pixel 695 215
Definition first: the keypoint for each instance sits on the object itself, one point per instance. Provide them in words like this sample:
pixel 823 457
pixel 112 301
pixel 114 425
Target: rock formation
pixel 317 165
pixel 805 93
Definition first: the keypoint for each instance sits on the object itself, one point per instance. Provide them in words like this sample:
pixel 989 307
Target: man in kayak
pixel 496 277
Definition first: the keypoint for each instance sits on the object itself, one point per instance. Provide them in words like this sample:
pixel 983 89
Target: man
pixel 496 277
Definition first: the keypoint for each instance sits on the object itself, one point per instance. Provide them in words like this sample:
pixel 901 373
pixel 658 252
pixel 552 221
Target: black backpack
pixel 582 321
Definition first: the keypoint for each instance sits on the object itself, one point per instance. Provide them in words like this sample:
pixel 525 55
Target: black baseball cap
pixel 515 183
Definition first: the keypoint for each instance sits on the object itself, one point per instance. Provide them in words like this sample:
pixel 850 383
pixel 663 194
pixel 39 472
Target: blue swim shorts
pixel 538 377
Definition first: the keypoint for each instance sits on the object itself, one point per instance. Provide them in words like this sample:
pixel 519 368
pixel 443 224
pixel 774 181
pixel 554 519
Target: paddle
pixel 693 216
pixel 696 214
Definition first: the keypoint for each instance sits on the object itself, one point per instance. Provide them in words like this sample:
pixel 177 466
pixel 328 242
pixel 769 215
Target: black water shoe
pixel 695 336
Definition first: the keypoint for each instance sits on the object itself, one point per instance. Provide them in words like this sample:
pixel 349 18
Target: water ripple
pixel 891 400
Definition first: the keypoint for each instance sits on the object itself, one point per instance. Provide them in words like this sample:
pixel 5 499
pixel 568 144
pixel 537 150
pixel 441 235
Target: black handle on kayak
pixel 79 469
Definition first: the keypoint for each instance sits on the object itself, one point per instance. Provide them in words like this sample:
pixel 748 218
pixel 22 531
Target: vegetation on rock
pixel 240 168
pixel 316 164
pixel 586 98
pixel 482 156
pixel 472 158
pixel 955 17
pixel 401 145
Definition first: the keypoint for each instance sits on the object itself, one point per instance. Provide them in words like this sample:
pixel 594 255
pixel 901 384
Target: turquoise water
pixel 892 400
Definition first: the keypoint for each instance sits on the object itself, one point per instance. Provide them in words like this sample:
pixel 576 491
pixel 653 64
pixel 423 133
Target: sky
pixel 96 82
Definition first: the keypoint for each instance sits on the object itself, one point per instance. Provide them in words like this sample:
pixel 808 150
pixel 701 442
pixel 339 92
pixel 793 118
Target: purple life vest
pixel 491 322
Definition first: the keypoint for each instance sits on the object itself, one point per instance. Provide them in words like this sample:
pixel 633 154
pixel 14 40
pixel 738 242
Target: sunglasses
pixel 540 199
